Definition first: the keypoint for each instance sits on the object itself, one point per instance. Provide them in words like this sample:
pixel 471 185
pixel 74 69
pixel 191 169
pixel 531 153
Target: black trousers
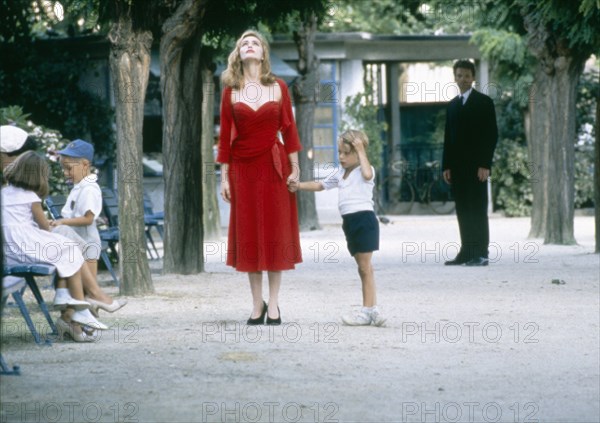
pixel 471 197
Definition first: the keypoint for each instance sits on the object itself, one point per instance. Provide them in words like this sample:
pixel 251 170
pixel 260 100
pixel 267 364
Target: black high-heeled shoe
pixel 274 321
pixel 259 320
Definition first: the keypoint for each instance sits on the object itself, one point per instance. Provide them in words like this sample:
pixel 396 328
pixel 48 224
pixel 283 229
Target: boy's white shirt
pixel 86 195
pixel 355 192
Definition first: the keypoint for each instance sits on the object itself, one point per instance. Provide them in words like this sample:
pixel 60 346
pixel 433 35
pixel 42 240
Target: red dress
pixel 263 224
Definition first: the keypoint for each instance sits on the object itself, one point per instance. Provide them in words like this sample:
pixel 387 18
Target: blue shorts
pixel 362 232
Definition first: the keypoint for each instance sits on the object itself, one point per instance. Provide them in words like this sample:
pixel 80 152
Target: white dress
pixel 25 243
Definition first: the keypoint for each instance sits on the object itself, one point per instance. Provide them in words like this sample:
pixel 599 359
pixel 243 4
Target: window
pixel 325 130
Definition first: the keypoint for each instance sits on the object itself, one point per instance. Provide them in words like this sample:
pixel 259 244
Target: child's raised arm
pixel 39 217
pixel 365 166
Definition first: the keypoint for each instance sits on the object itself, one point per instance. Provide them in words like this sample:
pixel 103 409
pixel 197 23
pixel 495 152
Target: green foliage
pixel 49 141
pixel 584 176
pixel 513 171
pixel 401 17
pixel 565 20
pixel 501 45
pixel 362 114
pixel 587 96
pixel 512 177
pixel 379 17
pixel 47 86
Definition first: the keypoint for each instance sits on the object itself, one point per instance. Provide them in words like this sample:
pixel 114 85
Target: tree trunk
pixel 181 87
pixel 561 152
pixel 305 99
pixel 210 204
pixel 553 133
pixel 597 175
pixel 538 134
pixel 130 68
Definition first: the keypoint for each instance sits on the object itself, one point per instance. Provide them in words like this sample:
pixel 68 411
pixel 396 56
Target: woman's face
pixel 251 49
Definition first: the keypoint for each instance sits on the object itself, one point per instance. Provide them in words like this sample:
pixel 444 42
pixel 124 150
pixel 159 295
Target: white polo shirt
pixel 355 192
pixel 86 195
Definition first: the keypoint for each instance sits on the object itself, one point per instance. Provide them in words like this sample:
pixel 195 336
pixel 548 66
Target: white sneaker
pixel 85 317
pixel 62 300
pixel 360 318
pixel 376 318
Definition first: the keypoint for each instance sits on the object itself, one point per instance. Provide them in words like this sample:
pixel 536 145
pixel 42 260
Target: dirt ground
pixel 517 341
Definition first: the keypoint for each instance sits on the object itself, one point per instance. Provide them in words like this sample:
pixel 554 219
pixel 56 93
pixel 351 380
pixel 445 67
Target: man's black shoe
pixel 478 261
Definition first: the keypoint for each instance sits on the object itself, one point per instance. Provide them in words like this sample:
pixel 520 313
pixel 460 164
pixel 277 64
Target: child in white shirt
pixel 355 180
pixel 80 212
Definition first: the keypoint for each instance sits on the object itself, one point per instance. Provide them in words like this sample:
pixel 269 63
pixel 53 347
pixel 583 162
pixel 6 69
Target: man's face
pixel 464 79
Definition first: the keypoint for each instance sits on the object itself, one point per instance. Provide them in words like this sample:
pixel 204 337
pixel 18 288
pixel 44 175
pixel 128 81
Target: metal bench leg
pixel 38 296
pixel 5 370
pixel 19 300
pixel 149 236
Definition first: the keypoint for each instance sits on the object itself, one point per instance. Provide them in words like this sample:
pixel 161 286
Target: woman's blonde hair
pixel 29 171
pixel 351 134
pixel 233 76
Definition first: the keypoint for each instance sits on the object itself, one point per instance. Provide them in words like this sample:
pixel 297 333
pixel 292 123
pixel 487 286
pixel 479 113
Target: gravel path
pixel 517 341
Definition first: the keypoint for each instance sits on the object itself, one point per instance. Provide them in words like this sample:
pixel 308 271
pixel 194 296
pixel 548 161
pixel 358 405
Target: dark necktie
pixel 461 98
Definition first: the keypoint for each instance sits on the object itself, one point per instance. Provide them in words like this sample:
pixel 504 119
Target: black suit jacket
pixel 471 134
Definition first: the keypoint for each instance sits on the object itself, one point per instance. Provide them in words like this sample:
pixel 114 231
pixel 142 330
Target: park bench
pixel 24 275
pixel 110 204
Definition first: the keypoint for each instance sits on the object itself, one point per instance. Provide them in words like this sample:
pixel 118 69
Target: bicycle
pixel 397 193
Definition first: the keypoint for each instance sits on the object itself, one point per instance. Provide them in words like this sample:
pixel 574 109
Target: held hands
pixel 55 223
pixel 293 181
pixel 293 186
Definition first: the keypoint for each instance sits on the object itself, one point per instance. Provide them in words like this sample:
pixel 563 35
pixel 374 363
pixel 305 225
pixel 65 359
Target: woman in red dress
pixel 256 169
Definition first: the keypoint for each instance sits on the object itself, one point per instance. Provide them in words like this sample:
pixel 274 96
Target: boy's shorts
pixel 362 232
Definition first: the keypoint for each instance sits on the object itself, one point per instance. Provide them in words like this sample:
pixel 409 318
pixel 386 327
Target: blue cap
pixel 79 149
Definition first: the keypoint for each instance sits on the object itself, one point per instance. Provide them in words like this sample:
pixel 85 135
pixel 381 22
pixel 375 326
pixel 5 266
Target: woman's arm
pixel 39 217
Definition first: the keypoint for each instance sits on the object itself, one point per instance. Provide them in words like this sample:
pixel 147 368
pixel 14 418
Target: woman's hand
pixel 225 190
pixel 55 223
pixel 294 176
pixel 293 185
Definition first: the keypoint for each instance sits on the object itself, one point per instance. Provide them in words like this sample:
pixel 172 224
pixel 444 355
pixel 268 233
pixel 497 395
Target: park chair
pixel 108 237
pixel 110 203
pixel 15 286
pixel 152 220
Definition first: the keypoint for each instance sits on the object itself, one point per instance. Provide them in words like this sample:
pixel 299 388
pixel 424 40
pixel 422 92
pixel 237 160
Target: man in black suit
pixel 469 141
